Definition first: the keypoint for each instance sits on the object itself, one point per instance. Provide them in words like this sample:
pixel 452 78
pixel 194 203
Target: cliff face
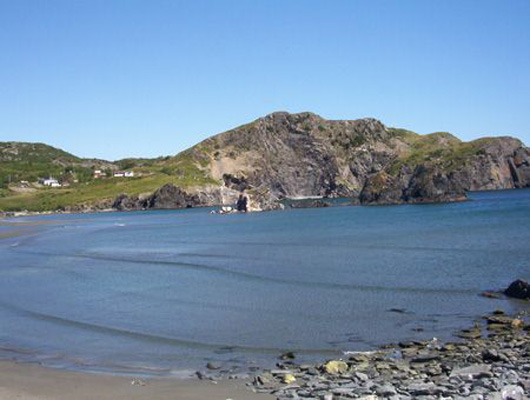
pixel 500 163
pixel 298 155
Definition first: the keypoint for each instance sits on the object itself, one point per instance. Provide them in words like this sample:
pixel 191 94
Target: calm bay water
pixel 162 292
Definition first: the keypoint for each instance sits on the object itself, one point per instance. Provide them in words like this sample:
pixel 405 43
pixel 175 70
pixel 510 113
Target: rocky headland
pixel 286 156
pixel 303 155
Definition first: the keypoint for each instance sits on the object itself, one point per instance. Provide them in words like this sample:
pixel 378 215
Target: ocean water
pixel 164 292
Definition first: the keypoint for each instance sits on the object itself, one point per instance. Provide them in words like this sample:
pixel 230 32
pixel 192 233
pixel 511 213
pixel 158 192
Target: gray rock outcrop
pixel 304 155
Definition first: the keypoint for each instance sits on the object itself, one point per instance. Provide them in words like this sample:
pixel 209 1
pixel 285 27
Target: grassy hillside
pixel 50 199
pixel 31 161
pixel 440 148
pixel 28 161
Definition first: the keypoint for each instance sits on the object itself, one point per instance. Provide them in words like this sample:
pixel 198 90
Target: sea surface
pixel 164 292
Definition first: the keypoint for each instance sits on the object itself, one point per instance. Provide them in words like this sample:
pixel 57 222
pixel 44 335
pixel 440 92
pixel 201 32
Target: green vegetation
pixel 187 166
pixel 28 161
pixel 31 161
pixel 51 199
pixel 130 163
pixel 439 148
pixel 405 135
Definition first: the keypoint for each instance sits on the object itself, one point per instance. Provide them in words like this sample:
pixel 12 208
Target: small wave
pixel 334 244
pixel 149 337
pixel 260 278
pixel 16 350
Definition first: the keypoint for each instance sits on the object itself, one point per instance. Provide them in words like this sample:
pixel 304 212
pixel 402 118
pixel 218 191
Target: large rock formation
pixel 426 184
pixel 287 155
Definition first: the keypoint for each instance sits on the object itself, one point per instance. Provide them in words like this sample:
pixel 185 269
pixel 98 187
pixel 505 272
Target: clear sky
pixel 111 78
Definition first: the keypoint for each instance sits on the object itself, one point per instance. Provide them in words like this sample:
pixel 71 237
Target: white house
pixel 123 174
pixel 49 182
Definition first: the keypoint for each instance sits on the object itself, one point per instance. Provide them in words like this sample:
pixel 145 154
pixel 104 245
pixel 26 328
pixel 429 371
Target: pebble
pixel 486 366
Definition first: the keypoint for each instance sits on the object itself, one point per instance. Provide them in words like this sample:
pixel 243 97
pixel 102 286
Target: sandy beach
pixel 34 382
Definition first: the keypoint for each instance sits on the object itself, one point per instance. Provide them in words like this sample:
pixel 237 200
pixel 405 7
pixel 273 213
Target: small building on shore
pixel 123 174
pixel 49 182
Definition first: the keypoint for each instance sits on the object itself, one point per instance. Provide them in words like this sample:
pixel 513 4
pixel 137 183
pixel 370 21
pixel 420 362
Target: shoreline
pixel 36 382
pixel 491 359
pixel 491 363
pixel 24 213
pixel 488 360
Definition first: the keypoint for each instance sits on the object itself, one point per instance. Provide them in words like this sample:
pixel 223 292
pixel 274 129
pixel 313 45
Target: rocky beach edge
pixel 492 361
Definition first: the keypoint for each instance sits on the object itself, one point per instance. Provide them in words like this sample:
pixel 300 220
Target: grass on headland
pixel 104 189
pixel 439 148
pixel 184 171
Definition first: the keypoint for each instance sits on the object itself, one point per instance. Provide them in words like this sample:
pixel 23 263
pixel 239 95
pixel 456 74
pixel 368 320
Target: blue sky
pixel 111 79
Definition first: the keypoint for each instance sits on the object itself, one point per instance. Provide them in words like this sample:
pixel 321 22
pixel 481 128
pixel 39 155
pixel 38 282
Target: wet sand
pixel 34 382
pixel 5 235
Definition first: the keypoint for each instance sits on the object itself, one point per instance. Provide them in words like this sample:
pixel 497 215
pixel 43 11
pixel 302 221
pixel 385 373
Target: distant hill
pixel 30 161
pixel 276 157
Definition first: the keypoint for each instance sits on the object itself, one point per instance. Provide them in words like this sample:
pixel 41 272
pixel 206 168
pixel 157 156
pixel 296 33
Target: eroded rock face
pixel 302 155
pixel 169 196
pixel 423 185
pixel 500 163
pixel 124 202
pixel 294 155
pixel 432 184
pixel 166 197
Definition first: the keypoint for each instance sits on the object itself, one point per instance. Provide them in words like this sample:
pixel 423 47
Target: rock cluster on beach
pixel 489 364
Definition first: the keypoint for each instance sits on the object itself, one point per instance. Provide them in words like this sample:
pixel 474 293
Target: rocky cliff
pixel 286 155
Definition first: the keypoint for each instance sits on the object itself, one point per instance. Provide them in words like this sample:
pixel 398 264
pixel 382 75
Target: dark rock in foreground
pixel 518 289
